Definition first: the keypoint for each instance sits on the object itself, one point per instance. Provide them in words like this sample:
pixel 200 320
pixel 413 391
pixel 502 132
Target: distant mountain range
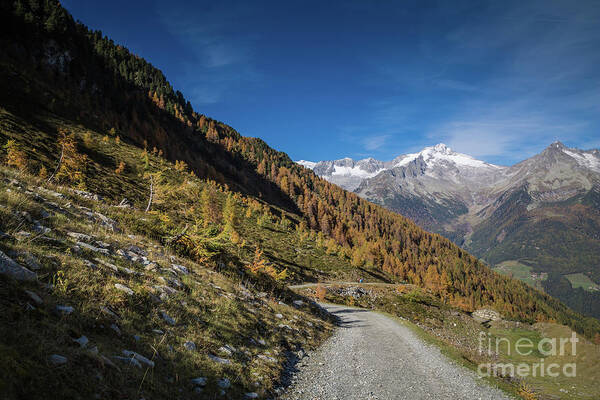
pixel 538 216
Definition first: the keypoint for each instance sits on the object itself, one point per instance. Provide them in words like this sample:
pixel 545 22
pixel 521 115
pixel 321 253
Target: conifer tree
pixel 15 156
pixel 211 213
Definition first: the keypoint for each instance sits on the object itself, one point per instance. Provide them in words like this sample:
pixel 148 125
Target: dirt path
pixel 372 356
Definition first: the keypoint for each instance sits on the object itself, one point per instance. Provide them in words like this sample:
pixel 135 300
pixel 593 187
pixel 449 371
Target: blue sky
pixel 499 80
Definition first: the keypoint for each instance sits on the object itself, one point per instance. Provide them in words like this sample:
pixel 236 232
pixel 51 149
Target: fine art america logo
pixel 525 347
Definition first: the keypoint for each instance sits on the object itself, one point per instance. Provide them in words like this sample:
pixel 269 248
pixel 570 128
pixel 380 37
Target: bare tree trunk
pixel 151 194
pixel 62 154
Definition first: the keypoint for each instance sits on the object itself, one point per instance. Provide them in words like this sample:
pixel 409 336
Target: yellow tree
pixel 15 157
pixel 73 165
pixel 211 213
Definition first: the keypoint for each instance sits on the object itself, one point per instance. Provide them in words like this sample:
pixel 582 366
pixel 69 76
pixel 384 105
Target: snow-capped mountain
pixel 436 161
pixel 543 211
pixel 346 172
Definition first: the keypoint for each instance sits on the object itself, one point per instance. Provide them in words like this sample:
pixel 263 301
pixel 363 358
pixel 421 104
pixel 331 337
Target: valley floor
pixel 372 356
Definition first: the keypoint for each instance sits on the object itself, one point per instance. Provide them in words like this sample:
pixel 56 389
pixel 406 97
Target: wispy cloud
pixel 520 75
pixel 374 142
pixel 222 57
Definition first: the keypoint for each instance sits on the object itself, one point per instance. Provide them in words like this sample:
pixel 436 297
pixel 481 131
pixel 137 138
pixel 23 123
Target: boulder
pixel 9 267
pixel 484 315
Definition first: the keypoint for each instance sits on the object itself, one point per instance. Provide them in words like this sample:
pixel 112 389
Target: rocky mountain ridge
pixel 500 213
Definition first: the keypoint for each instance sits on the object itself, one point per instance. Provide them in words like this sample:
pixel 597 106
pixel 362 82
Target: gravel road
pixel 372 356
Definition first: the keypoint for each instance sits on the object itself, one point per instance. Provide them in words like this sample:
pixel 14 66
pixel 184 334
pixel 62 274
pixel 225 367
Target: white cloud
pixel 374 142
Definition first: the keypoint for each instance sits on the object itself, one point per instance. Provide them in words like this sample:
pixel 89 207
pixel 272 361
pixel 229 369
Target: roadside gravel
pixel 372 356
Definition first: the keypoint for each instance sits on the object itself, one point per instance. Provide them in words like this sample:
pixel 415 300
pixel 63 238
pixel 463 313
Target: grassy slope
pixel 219 303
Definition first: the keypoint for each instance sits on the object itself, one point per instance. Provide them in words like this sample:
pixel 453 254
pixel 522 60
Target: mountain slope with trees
pixel 54 69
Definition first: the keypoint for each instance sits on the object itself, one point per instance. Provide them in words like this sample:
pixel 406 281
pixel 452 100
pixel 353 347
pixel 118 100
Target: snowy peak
pixel 589 159
pixel 442 154
pixel 307 164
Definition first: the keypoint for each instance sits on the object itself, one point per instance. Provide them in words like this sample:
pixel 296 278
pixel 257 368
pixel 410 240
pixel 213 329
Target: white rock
pixel 219 359
pixel 251 395
pixel 138 357
pixel 180 269
pixel 82 237
pixel 298 303
pixel 278 316
pixel 124 288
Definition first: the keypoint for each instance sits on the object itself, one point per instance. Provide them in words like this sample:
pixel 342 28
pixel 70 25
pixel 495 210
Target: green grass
pixel 581 280
pixel 520 271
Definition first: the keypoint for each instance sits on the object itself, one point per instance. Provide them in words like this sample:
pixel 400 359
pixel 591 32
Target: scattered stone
pixel 278 316
pixel 225 350
pixel 81 237
pixel 138 357
pixel 89 264
pixel 82 341
pixel 32 262
pixel 102 244
pixel 129 360
pixel 167 318
pixel 189 345
pixel 39 228
pixel 124 288
pixel 109 312
pixel 56 359
pixel 14 270
pixel 284 326
pixel 224 383
pixel 136 250
pixel 34 296
pixel 152 267
pixel 180 269
pixel 251 395
pixel 219 359
pixel 200 381
pixel 157 332
pixel 93 248
pixel 107 361
pixel 298 303
pixel 267 358
pixel 64 310
pixel 107 222
pixel 262 342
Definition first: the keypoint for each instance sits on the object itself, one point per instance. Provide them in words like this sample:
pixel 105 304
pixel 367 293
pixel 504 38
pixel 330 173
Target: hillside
pixel 121 128
pixel 539 216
